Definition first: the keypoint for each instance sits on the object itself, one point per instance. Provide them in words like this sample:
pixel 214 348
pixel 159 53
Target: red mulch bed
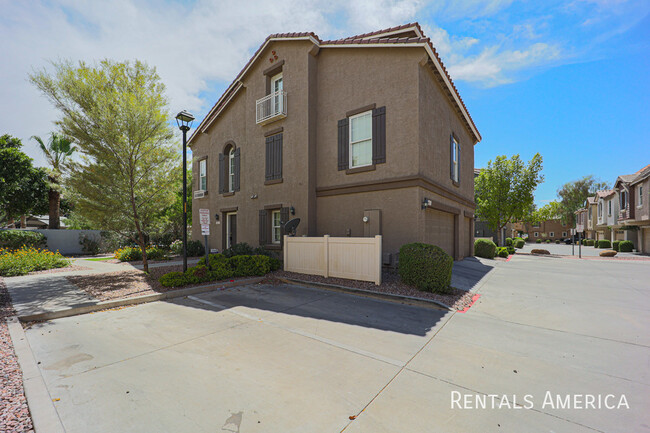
pixel 14 413
pixel 391 284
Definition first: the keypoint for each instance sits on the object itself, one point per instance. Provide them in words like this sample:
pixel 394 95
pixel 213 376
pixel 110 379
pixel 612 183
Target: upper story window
pixel 623 199
pixel 640 195
pixel 600 209
pixel 609 208
pixel 203 174
pixel 276 90
pixel 455 159
pixel 229 169
pixel 589 212
pixel 361 140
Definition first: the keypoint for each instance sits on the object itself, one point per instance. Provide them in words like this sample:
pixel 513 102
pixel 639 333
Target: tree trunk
pixel 23 221
pixel 55 201
pixel 500 236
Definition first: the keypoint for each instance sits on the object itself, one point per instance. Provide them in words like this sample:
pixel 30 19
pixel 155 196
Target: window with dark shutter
pixel 379 135
pixel 344 143
pixel 237 169
pixel 222 173
pixel 263 227
pixel 274 157
pixel 284 218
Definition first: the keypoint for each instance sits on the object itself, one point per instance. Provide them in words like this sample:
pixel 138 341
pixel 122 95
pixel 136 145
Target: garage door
pixel 646 241
pixel 439 230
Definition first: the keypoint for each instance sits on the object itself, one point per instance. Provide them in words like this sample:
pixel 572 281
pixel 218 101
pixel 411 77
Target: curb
pixel 41 408
pixel 49 315
pixel 427 303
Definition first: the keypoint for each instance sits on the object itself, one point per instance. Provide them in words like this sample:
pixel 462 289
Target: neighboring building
pixel 591 205
pixel 482 228
pixel 607 214
pixel 360 136
pixel 551 229
pixel 633 222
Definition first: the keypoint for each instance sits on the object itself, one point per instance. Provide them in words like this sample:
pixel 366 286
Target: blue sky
pixel 567 79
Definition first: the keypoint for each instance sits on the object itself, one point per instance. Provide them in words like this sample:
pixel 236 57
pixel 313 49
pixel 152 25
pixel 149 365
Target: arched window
pixel 229 169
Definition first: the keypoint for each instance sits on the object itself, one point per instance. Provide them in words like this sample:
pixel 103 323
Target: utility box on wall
pixel 371 222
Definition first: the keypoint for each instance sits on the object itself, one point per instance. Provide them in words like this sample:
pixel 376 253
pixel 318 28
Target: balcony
pixel 271 108
pixel 626 214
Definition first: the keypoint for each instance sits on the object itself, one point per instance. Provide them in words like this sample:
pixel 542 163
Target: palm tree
pixel 58 149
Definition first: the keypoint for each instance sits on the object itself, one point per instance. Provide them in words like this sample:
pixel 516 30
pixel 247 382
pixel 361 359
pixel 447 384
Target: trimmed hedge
pixel 520 243
pixel 221 268
pixel 615 245
pixel 538 241
pixel 626 246
pixel 511 250
pixel 216 259
pixel 604 243
pixel 16 239
pixel 426 267
pixel 502 252
pixel 508 242
pixel 485 248
pixel 131 254
pixel 548 241
pixel 557 241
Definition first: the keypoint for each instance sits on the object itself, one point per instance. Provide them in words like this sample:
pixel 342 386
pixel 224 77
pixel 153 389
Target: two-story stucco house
pixel 607 214
pixel 634 217
pixel 359 136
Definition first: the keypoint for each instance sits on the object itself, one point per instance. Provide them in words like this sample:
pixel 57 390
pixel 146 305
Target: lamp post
pixel 184 121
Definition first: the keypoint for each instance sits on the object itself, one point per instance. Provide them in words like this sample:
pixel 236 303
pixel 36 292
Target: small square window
pixel 536 234
pixel 564 234
pixel 361 140
pixel 551 235
pixel 203 176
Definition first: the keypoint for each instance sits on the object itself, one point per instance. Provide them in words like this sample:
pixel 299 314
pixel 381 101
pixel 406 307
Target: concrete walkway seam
pixel 44 415
pixel 369 293
pixel 49 315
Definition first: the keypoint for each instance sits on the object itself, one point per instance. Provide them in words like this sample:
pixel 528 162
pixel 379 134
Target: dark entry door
pixel 231 230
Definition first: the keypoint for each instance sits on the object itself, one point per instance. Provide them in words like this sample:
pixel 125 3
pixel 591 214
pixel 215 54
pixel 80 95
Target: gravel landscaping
pixel 14 413
pixel 458 299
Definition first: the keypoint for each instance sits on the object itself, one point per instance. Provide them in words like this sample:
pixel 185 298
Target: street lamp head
pixel 184 120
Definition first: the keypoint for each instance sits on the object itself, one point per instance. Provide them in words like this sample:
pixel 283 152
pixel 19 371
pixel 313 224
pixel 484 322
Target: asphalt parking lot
pixel 285 358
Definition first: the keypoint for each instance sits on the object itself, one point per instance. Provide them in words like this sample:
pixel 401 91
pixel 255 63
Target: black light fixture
pixel 292 210
pixel 216 217
pixel 184 121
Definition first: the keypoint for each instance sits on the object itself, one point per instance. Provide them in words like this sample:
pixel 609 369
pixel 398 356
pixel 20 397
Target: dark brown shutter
pixel 379 135
pixel 269 158
pixel 264 222
pixel 344 144
pixel 222 173
pixel 237 169
pixel 458 156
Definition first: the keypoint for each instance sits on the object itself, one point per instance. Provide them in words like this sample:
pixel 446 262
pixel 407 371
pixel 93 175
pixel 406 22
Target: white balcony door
pixel 276 89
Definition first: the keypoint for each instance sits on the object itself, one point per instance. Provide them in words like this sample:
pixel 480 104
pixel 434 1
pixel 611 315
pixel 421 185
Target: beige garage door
pixel 646 241
pixel 439 230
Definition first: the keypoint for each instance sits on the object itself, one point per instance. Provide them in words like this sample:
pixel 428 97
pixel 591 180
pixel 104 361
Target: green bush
pixel 172 279
pixel 485 248
pixel 221 268
pixel 16 239
pixel 604 243
pixel 215 259
pixel 557 241
pixel 502 252
pixel 154 253
pixel 194 249
pixel 508 242
pixel 511 250
pixel 239 249
pixel 626 246
pixel 26 259
pixel 176 246
pixel 128 254
pixel 615 245
pixel 520 243
pixel 548 241
pixel 539 241
pixel 244 266
pixel 426 267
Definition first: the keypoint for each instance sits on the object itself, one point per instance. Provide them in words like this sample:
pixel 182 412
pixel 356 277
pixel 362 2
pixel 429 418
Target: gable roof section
pixel 412 36
pixel 633 178
pixel 605 193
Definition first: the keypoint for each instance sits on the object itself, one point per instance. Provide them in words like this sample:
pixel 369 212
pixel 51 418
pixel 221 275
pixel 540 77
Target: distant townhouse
pixel 633 219
pixel 553 229
pixel 591 206
pixel 607 218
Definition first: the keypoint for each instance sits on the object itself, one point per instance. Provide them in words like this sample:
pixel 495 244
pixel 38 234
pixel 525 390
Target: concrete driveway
pixel 290 359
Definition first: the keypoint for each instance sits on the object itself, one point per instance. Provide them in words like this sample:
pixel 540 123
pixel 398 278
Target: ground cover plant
pixel 26 259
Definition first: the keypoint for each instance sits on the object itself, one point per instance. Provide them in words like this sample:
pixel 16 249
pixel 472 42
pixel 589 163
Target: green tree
pixel 23 188
pixel 117 114
pixel 504 190
pixel 574 194
pixel 57 150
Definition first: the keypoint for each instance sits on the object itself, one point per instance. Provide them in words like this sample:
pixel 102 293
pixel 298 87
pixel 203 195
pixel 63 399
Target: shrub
pixel 16 239
pixel 502 252
pixel 607 253
pixel 89 244
pixel 539 241
pixel 426 267
pixel 626 246
pixel 128 254
pixel 508 242
pixel 176 247
pixel 162 240
pixel 511 250
pixel 520 243
pixel 243 266
pixel 154 253
pixel 27 259
pixel 615 245
pixel 194 248
pixel 239 249
pixel 538 251
pixel 215 259
pixel 485 248
pixel 557 241
pixel 604 243
pixel 548 241
pixel 172 279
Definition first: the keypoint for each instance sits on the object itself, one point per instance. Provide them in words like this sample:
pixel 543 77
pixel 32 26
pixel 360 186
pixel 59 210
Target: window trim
pixel 350 143
pixel 640 188
pixel 203 162
pixel 551 234
pixel 564 234
pixel 455 162
pixel 536 234
pixel 609 208
pixel 231 170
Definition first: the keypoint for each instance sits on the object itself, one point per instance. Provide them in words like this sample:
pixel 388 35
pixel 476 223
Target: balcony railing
pixel 626 214
pixel 271 107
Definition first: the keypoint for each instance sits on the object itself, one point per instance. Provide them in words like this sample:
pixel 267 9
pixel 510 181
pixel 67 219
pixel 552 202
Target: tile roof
pixel 591 200
pixel 605 193
pixel 362 39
